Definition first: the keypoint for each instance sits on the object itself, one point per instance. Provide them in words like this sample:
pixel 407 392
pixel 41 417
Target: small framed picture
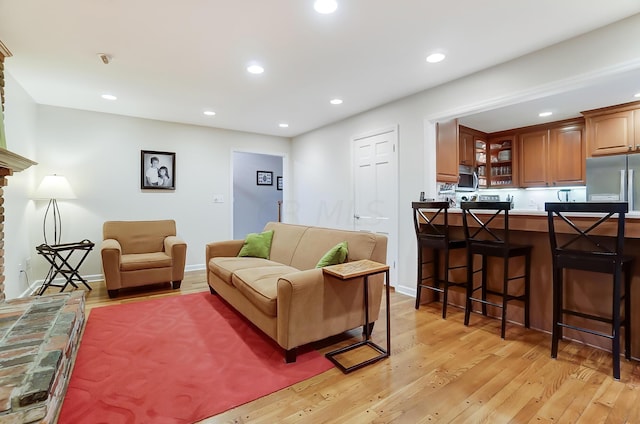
pixel 157 170
pixel 264 178
pixel 279 183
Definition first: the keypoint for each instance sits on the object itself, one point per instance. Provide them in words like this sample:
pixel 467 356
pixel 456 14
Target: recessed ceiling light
pixel 109 97
pixel 636 95
pixel 325 6
pixel 255 69
pixel 283 125
pixel 335 101
pixel 545 114
pixel 209 112
pixel 435 57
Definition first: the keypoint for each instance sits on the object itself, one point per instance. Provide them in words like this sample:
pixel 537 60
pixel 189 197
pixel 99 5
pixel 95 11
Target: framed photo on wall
pixel 264 178
pixel 279 183
pixel 157 170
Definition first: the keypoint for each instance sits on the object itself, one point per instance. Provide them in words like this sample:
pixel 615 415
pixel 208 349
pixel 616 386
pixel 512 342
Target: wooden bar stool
pixel 489 236
pixel 575 244
pixel 431 222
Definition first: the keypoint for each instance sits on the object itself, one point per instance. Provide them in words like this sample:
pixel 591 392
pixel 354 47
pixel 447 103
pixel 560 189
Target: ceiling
pixel 173 60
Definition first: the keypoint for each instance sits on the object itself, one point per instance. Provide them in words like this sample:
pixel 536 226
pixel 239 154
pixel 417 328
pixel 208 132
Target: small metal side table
pixel 350 270
pixel 59 257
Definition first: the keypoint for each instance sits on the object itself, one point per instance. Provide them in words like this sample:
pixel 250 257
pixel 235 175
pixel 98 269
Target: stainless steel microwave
pixel 467 179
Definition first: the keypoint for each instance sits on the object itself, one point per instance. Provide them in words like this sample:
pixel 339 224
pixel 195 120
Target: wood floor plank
pixel 440 371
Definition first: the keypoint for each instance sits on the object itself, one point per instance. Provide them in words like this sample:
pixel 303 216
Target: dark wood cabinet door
pixel 447 162
pixel 567 156
pixel 534 167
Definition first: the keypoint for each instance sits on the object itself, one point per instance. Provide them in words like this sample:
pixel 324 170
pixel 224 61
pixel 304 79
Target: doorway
pixel 375 189
pixel 256 192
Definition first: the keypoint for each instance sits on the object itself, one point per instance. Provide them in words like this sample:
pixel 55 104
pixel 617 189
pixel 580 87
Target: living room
pixel 99 153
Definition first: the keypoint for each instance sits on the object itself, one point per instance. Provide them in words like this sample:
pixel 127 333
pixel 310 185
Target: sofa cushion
pixel 336 255
pixel 315 242
pixel 224 267
pixel 257 245
pixel 260 285
pixel 285 240
pixel 138 261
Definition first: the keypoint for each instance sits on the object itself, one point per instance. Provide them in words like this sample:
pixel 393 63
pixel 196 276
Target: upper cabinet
pixel 534 158
pixel 501 164
pixel 613 130
pixel 447 151
pixel 466 148
pixel 553 156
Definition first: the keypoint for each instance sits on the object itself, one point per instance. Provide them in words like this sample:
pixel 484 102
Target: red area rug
pixel 175 360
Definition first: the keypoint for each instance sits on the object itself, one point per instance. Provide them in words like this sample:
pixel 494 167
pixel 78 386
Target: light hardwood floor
pixel 441 371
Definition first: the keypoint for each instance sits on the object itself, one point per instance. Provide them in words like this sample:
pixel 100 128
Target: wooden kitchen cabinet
pixel 611 131
pixel 553 156
pixel 502 165
pixel 567 155
pixel 466 147
pixel 534 158
pixel 447 162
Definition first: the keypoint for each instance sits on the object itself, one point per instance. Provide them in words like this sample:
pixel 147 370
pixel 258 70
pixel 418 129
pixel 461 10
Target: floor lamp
pixel 54 187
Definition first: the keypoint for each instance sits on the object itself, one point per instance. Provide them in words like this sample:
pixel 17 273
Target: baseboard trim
pixel 92 278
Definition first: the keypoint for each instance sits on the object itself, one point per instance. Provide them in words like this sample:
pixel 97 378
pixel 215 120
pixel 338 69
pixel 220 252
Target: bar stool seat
pixel 431 222
pixel 489 236
pixel 575 245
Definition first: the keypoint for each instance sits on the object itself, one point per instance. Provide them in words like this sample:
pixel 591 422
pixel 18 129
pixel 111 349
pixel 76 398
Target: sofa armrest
pixel 111 252
pixel 312 306
pixel 225 248
pixel 177 249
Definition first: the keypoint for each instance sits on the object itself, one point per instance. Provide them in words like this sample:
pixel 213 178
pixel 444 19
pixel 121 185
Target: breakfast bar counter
pixel 588 291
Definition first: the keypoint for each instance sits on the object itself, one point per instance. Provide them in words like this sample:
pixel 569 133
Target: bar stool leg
pixel 445 289
pixel 467 306
pixel 505 296
pixel 556 330
pixel 617 277
pixel 527 289
pixel 419 286
pixel 484 284
pixel 627 312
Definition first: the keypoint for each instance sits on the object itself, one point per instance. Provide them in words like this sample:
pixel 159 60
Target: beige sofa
pixel 138 253
pixel 285 296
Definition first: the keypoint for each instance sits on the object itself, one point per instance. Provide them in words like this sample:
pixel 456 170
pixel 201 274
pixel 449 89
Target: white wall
pixel 20 123
pixel 100 156
pixel 321 158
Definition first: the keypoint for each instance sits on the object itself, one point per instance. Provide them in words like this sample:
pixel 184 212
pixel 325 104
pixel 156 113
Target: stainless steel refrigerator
pixel 613 178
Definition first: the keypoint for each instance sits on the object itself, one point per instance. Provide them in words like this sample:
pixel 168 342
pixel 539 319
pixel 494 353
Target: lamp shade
pixel 54 187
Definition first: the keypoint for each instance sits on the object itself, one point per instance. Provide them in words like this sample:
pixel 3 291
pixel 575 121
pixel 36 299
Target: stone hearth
pixel 39 339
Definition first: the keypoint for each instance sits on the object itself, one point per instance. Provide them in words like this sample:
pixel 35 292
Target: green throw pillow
pixel 257 245
pixel 336 255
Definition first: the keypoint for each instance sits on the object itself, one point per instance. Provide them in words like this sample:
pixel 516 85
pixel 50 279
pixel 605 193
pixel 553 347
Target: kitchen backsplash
pixel 524 199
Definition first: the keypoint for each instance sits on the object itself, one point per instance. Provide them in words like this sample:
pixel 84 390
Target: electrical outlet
pixel 27 263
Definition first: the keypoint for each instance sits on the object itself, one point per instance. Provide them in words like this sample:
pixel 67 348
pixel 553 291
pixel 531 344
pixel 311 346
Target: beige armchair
pixel 138 253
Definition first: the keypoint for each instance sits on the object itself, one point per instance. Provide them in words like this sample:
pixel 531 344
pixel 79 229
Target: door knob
pixel 356 216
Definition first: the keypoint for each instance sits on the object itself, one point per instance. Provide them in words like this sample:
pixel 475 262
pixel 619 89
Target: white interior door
pixel 376 189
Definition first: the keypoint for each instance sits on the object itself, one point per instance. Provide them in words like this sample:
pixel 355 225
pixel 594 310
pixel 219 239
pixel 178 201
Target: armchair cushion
pixel 137 261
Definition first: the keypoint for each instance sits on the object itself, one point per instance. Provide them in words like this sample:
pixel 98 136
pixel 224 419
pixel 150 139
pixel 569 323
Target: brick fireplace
pixel 39 335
